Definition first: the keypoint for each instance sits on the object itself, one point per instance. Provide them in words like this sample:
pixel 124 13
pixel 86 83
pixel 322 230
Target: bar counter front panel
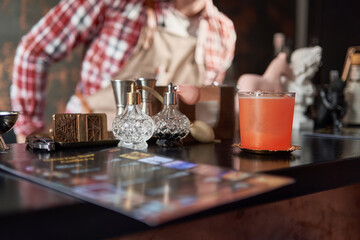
pixel 322 164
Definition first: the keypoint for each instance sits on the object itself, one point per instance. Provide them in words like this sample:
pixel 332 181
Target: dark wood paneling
pixel 334 25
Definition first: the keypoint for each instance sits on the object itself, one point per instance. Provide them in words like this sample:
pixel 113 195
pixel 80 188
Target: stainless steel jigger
pixel 120 88
pixel 146 96
pixel 7 122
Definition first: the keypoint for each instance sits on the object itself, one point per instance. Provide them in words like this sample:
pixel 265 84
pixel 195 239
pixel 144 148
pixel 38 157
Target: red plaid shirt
pixel 110 28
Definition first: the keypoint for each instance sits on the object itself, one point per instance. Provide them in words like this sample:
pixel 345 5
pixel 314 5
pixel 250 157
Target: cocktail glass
pixel 7 122
pixel 266 120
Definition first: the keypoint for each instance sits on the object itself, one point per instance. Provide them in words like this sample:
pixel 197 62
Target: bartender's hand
pixel 20 138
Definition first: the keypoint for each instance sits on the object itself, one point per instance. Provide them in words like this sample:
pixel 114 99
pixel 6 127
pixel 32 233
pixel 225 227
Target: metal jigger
pixel 146 96
pixel 7 122
pixel 120 88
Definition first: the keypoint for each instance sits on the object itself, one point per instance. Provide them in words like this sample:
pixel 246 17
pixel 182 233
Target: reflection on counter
pixel 249 162
pixel 151 188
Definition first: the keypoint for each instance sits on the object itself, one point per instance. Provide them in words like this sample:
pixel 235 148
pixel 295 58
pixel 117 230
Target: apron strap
pixel 150 23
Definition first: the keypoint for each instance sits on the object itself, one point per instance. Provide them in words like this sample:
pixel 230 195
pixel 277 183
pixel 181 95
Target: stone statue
pixel 305 62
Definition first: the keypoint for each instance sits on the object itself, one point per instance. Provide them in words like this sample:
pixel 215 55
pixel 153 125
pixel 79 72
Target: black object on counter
pixel 333 105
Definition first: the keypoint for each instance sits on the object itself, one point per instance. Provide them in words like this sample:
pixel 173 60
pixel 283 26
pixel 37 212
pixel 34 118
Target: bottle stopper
pixel 133 97
pixel 170 95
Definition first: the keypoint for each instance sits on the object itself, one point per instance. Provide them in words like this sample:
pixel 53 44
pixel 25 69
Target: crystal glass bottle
pixel 171 125
pixel 133 127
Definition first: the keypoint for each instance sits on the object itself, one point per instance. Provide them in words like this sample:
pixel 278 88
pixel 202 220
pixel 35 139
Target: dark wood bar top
pixel 28 209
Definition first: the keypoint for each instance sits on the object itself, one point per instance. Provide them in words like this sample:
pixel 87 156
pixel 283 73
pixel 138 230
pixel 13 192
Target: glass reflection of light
pixel 128 198
pixel 166 197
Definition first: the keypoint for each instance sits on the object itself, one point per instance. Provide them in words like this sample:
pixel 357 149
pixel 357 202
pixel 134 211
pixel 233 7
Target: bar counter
pixel 323 202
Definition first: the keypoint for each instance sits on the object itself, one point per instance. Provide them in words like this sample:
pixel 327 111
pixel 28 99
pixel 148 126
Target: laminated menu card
pixel 151 188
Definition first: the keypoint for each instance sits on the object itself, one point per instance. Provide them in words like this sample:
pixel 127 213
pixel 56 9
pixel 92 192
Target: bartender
pixel 182 41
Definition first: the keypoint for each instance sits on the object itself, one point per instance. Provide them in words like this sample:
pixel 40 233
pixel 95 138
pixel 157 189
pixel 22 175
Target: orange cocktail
pixel 266 120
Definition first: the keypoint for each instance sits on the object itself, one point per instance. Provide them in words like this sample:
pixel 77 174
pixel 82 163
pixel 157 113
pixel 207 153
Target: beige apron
pixel 170 58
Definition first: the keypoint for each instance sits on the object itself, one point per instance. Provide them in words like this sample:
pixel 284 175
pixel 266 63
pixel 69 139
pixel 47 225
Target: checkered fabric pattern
pixel 110 29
